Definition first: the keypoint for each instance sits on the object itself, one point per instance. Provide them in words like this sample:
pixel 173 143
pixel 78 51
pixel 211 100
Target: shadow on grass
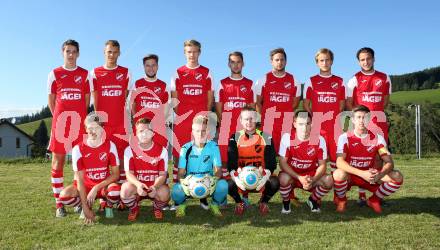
pixel 196 216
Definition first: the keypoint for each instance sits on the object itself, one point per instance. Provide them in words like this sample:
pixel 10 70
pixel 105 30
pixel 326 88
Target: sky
pixel 404 34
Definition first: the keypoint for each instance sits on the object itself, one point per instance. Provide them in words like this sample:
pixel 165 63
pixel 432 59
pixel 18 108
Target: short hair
pixel 302 114
pixel 361 108
pixel 113 43
pixel 150 56
pixel 94 117
pixel 248 108
pixel 192 43
pixel 70 42
pixel 324 51
pixel 143 121
pixel 235 53
pixel 200 120
pixel 276 51
pixel 365 50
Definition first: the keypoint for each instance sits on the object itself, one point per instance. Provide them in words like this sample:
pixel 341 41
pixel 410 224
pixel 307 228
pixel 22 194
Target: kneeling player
pixel 303 164
pixel 145 164
pixel 96 166
pixel 356 164
pixel 252 148
pixel 199 171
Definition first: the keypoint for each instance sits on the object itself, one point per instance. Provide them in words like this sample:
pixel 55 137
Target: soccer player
pixel 95 163
pixel 235 92
pixel 110 86
pixel 278 94
pixel 252 147
pixel 146 165
pixel 150 96
pixel 192 92
pixel 303 164
pixel 200 157
pixel 372 89
pixel 68 99
pixel 356 152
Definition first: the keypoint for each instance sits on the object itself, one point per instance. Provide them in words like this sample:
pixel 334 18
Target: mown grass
pixel 416 97
pixel 410 222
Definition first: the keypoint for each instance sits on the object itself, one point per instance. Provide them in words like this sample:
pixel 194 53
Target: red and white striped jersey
pixel 111 86
pixel 147 164
pixel 361 151
pixel 95 162
pixel 302 156
pixel 150 96
pixel 192 86
pixel 369 89
pixel 325 93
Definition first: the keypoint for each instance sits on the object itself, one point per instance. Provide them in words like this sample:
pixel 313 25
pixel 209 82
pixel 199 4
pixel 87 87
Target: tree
pixel 41 140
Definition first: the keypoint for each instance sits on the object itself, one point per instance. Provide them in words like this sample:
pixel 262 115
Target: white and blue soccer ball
pixel 199 186
pixel 249 176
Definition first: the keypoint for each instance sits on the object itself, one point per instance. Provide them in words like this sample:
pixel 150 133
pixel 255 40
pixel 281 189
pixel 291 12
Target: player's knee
pixel 58 161
pixel 273 183
pixel 327 181
pixel 284 179
pixel 69 191
pixel 231 185
pixel 177 193
pixel 126 190
pixel 339 175
pixel 163 193
pixel 396 176
pixel 113 192
pixel 222 186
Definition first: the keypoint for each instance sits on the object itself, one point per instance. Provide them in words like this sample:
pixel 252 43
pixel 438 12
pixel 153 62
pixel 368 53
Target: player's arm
pixel 388 166
pixel 259 103
pixel 285 168
pixel 295 102
pixel 88 213
pixel 174 102
pixel 51 102
pixel 307 105
pixel 182 163
pixel 218 111
pixel 386 101
pixel 342 164
pixel 320 171
pixel 349 103
pixel 114 176
pixel 232 154
pixel 210 96
pixel 87 98
pixel 217 162
pixel 161 179
pixel 95 99
pixel 342 105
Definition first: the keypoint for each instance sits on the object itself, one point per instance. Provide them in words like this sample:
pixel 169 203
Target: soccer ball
pixel 199 186
pixel 249 176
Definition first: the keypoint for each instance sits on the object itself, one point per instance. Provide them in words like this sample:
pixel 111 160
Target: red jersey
pixel 192 86
pixel 70 88
pixel 150 96
pixel 95 162
pixel 277 92
pixel 148 165
pixel 361 151
pixel 111 86
pixel 369 89
pixel 325 93
pixel 302 156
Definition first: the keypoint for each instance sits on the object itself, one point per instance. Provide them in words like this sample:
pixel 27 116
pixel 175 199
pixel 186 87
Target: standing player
pixel 252 147
pixel 278 95
pixel 95 164
pixel 192 92
pixel 146 167
pixel 69 97
pixel 110 84
pixel 199 158
pixel 149 99
pixel 303 164
pixel 235 92
pixel 357 150
pixel 372 89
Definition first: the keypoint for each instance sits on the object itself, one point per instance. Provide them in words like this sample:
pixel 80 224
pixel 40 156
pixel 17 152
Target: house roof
pixel 5 121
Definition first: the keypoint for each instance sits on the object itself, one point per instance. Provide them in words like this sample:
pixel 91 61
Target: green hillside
pixel 30 127
pixel 416 97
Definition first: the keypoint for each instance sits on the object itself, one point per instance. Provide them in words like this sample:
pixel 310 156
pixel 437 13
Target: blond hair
pixel 94 117
pixel 192 43
pixel 324 51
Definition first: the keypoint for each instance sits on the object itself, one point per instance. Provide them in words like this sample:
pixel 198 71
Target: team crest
pixel 378 83
pixel 243 88
pixel 287 85
pixel 198 77
pixel 119 76
pixel 334 85
pixel 103 156
pixel 311 151
pixel 77 79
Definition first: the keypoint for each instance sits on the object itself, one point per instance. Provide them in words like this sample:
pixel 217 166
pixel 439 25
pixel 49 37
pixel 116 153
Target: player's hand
pixel 89 216
pixel 367 176
pixel 152 191
pixel 261 170
pixel 305 182
pixel 141 189
pixel 376 175
pixel 92 196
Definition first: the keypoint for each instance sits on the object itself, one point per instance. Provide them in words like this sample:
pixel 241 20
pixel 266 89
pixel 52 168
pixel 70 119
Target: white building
pixel 13 141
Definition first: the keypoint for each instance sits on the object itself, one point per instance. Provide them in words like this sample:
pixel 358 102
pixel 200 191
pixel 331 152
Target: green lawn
pixel 30 127
pixel 411 222
pixel 416 97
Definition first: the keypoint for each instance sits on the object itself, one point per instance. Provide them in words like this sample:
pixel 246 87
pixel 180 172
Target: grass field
pixel 30 127
pixel 411 222
pixel 416 97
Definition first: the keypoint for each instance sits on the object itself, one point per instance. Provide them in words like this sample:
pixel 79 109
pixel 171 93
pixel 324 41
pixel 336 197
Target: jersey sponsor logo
pixel 378 83
pixel 334 85
pixel 111 92
pixel 119 76
pixel 371 98
pixel 300 165
pixel 311 151
pixel 232 104
pixel 287 85
pixel 150 104
pixel 198 77
pixel 188 91
pixel 96 176
pixel 279 98
pixel 146 178
pixel 103 156
pixel 71 96
pixel 77 79
pixel 326 99
pixel 243 88
pixel 359 164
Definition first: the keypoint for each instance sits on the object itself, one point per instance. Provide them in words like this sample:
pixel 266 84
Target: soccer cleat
pixel 215 210
pixel 158 214
pixel 286 208
pixel 374 203
pixel 204 203
pixel 121 206
pixel 314 205
pixel 133 214
pixel 341 204
pixel 60 212
pixel 239 208
pixel 108 212
pixel 173 207
pixel 77 209
pixel 264 208
pixel 180 211
pixel 362 201
pixel 165 208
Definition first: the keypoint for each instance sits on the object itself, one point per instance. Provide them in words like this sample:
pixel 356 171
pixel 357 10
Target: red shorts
pixel 182 135
pixel 297 184
pixel 64 138
pixel 119 137
pixel 354 180
pixel 99 195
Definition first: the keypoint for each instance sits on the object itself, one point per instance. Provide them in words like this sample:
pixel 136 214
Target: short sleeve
pixel 219 92
pixel 114 160
pixel 308 91
pixel 51 86
pixel 182 156
pixel 342 144
pixel 351 84
pixel 284 144
pixel 382 146
pixel 128 155
pixel 130 83
pixel 259 86
pixel 210 80
pixel 217 161
pixel 164 157
pixel 341 93
pixel 92 78
pixel 77 164
pixel 298 88
pixel 389 85
pixel 174 78
pixel 322 149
